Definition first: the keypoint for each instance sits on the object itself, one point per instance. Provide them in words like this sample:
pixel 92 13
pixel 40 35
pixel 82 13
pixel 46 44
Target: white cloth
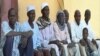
pixel 61 35
pixel 44 5
pixel 6 29
pixel 36 34
pixel 98 42
pixel 76 31
pixel 30 7
pixel 47 35
pixel 77 50
pixel 66 49
pixel 74 51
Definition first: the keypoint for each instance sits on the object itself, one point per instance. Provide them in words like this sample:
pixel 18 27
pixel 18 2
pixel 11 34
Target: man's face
pixel 66 16
pixel 12 16
pixel 61 18
pixel 31 15
pixel 77 17
pixel 87 15
pixel 85 34
pixel 45 11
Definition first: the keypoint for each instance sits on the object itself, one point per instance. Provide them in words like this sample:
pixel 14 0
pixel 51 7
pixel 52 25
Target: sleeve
pixel 91 33
pixel 52 32
pixel 39 37
pixel 5 28
pixel 44 41
pixel 56 32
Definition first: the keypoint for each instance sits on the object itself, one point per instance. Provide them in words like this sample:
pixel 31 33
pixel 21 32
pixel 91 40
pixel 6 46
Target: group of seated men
pixel 43 38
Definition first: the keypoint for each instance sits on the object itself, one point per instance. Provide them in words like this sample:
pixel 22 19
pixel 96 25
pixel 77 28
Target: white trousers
pixel 74 51
pixel 54 46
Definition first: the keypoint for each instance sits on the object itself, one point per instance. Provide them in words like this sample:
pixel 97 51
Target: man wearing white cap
pixel 33 42
pixel 46 29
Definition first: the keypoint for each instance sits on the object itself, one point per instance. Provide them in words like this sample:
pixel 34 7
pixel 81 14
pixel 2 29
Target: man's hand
pixel 64 42
pixel 94 42
pixel 30 33
pixel 82 42
pixel 24 42
pixel 27 34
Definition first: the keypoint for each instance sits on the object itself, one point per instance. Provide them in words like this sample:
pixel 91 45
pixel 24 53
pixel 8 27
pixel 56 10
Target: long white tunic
pixel 6 29
pixel 36 34
pixel 76 31
pixel 62 35
pixel 47 36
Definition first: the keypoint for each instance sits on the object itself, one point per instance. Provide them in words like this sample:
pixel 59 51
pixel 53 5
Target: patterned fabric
pixel 47 32
pixel 43 23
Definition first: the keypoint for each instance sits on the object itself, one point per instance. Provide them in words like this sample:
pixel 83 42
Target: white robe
pixel 47 36
pixel 36 37
pixel 62 35
pixel 6 29
pixel 76 31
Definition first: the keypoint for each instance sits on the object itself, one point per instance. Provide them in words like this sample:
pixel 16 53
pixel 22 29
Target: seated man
pixel 87 47
pixel 46 30
pixel 32 44
pixel 11 30
pixel 61 33
pixel 76 30
pixel 86 23
pixel 71 46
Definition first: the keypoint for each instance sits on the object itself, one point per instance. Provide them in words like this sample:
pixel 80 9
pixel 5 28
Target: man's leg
pixel 63 51
pixel 37 53
pixel 7 49
pixel 53 52
pixel 82 50
pixel 98 42
pixel 29 47
pixel 55 47
pixel 21 50
pixel 66 49
pixel 95 50
pixel 28 50
pixel 77 50
pixel 46 52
